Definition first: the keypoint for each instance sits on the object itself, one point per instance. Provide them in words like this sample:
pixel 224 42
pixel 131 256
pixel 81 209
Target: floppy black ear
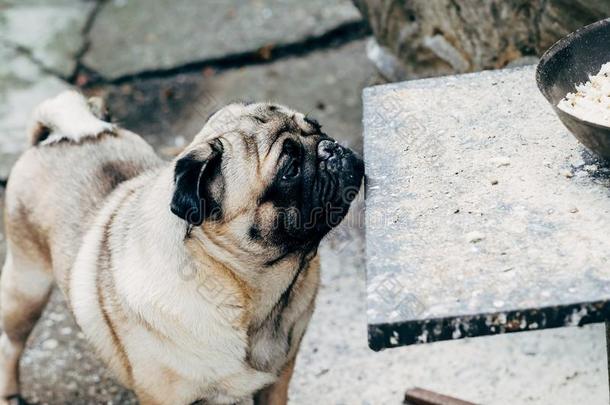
pixel 194 198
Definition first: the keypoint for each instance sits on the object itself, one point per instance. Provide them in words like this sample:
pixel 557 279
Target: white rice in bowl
pixel 591 102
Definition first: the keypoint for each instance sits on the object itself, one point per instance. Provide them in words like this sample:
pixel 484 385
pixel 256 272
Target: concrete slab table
pixel 483 214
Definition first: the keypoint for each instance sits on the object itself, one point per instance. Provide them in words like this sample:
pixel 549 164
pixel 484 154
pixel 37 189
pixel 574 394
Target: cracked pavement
pixel 163 73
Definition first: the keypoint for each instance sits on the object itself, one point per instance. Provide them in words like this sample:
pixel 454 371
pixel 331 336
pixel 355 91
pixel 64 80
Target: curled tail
pixel 68 117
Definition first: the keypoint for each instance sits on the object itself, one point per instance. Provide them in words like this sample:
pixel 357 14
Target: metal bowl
pixel 569 62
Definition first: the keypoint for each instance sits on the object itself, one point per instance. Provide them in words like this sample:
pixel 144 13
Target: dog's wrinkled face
pixel 265 178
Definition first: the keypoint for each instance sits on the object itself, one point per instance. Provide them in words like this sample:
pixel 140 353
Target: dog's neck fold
pixel 256 286
pixel 241 284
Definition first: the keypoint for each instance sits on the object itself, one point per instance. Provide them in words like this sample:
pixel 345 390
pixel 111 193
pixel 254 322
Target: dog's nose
pixel 327 149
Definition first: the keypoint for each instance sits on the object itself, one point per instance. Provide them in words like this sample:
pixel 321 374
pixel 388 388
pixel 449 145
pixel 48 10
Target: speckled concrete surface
pixel 485 210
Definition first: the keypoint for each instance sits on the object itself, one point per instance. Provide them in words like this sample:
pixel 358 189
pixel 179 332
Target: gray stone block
pixel 51 33
pixel 484 214
pixel 130 36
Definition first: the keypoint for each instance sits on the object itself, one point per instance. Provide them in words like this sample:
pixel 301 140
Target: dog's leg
pixel 25 287
pixel 276 394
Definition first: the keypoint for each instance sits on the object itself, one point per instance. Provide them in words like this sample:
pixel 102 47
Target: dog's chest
pixel 269 347
pixel 274 341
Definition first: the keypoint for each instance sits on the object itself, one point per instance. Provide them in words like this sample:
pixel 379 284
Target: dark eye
pixel 291 154
pixel 291 170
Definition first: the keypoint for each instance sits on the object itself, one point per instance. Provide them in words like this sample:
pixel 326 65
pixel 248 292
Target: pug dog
pixel 193 279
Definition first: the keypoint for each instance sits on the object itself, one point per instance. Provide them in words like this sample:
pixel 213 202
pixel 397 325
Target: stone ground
pixel 163 74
